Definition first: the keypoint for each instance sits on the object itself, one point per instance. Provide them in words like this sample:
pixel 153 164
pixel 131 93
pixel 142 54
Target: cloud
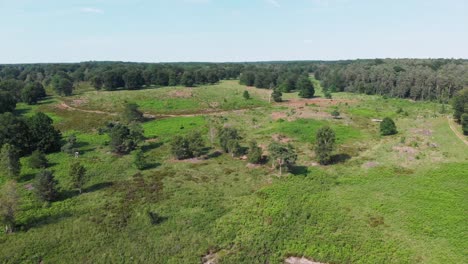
pixel 91 10
pixel 273 3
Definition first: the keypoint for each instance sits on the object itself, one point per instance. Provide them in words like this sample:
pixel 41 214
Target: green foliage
pixel 14 131
pixel 77 174
pixel 388 127
pixel 464 123
pixel 305 87
pixel 139 159
pixel 70 146
pixel 131 113
pixel 324 144
pixel 38 160
pixel 43 135
pixel 10 165
pixel 7 102
pixel 133 79
pixel 276 95
pixel 282 155
pixel 32 92
pixel 62 84
pixel 45 186
pixel 227 139
pixel 460 104
pixel 335 113
pixel 9 203
pixel 234 147
pixel 246 95
pixel 190 146
pixel 123 138
pixel 327 94
pixel 255 153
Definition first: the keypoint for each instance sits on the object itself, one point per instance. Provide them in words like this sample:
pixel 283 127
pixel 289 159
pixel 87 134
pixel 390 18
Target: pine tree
pixel 78 175
pixel 9 161
pixel 324 144
pixel 46 186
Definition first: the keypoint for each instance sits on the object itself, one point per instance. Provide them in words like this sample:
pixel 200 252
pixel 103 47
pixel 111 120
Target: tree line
pixel 417 79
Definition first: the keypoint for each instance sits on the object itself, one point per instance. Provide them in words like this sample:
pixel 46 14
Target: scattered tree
pixel 139 159
pixel 9 202
pixel 131 113
pixel 38 160
pixel 9 161
pixel 246 95
pixel 124 139
pixel 226 136
pixel 388 127
pixel 70 146
pixel 32 92
pixel 282 155
pixel 255 153
pixel 186 147
pixel 324 144
pixel 77 174
pixel 305 87
pixel 464 123
pixel 45 186
pixel 43 134
pixel 276 95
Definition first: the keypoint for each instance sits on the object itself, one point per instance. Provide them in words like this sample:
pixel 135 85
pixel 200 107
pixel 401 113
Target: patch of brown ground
pixel 181 94
pixel 370 164
pixel 78 102
pixel 303 102
pixel 281 138
pixel 297 260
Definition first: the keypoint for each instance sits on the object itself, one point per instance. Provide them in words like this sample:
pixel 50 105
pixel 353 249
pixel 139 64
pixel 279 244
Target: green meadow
pixel 394 199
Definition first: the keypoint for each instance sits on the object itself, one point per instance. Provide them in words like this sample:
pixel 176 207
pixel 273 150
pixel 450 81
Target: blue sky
pixel 237 30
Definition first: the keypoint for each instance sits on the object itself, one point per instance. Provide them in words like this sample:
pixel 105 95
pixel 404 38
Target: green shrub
pixel 38 160
pixel 388 127
pixel 464 123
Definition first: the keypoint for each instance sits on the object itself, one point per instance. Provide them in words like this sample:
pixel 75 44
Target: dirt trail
pixel 457 133
pixel 64 106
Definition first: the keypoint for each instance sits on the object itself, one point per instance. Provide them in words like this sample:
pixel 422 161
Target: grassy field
pixel 396 199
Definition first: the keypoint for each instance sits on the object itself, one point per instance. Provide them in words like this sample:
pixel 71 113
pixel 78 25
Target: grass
pixel 406 208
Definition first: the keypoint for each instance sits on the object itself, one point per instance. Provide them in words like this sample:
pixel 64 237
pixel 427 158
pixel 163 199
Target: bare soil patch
pixel 181 94
pixel 297 260
pixel 281 138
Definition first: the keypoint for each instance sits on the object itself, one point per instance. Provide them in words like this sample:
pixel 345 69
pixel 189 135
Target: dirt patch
pixel 297 260
pixel 278 115
pixel 78 102
pixel 370 164
pixel 211 258
pixel 29 187
pixel 253 166
pixel 281 138
pixel 406 149
pixel 316 101
pixel 181 94
pixel 424 132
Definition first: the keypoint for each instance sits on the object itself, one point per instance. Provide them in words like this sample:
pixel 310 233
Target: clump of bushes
pixel 388 127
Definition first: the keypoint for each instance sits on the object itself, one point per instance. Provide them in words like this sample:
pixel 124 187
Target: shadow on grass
pixel 339 158
pixel 299 170
pixel 153 145
pixel 43 220
pixel 27 177
pixel 151 166
pixel 213 155
pixel 98 186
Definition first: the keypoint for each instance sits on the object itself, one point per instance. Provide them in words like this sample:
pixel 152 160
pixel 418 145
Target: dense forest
pixel 418 79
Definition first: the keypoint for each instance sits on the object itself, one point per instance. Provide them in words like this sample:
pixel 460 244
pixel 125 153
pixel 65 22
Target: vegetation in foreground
pixel 181 187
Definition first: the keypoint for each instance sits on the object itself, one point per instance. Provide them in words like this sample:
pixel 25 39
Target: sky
pixel 230 30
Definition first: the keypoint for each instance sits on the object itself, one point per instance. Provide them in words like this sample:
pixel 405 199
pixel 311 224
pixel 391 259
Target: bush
pixel 139 160
pixel 131 113
pixel 388 127
pixel 188 147
pixel 38 160
pixel 78 175
pixel 276 95
pixel 464 123
pixel 246 95
pixel 255 153
pixel 45 186
pixel 324 144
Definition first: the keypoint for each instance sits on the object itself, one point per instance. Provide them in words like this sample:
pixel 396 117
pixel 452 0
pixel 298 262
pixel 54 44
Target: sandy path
pixel 64 106
pixel 457 133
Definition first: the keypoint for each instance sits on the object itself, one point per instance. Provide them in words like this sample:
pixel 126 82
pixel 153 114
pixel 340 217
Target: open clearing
pixel 396 199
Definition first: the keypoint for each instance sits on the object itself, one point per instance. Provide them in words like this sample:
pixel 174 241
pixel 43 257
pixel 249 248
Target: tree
pixel 7 102
pixel 44 136
pixel 9 202
pixel 226 135
pixel 14 131
pixel 188 79
pixel 246 95
pixel 188 147
pixel 305 87
pixel 324 144
pixel 38 160
pixel 276 95
pixel 388 127
pixel 69 147
pixel 124 139
pixel 234 148
pixel 32 92
pixel 62 85
pixel 45 186
pixel 460 104
pixel 77 174
pixel 464 123
pixel 133 79
pixel 131 113
pixel 282 155
pixel 10 165
pixel 255 153
pixel 139 159
pixel 335 114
